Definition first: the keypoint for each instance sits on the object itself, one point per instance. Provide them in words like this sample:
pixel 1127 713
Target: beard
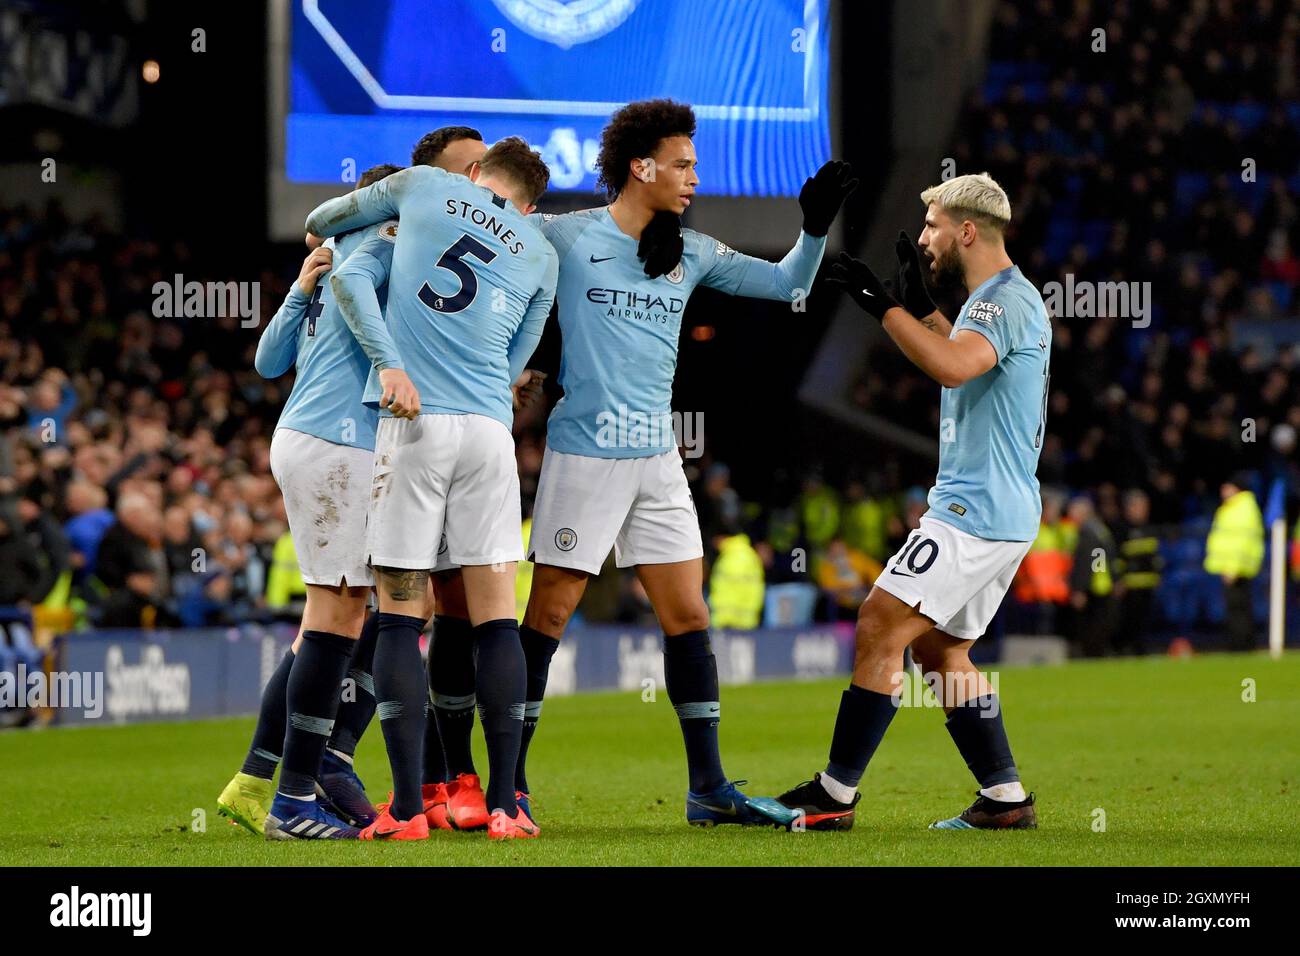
pixel 947 283
pixel 949 274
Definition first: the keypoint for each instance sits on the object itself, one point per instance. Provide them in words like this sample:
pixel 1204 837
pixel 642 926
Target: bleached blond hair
pixel 975 196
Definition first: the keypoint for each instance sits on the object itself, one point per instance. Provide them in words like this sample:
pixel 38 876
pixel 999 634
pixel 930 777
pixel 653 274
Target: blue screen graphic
pixel 367 80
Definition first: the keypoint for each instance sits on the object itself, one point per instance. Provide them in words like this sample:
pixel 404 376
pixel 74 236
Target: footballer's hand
pixel 822 195
pixel 398 394
pixel 318 262
pixel 313 242
pixel 909 281
pixel 527 389
pixel 862 284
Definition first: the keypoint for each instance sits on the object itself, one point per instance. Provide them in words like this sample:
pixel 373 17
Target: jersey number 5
pixel 453 260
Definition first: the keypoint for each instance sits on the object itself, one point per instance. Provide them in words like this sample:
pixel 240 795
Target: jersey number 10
pixel 453 260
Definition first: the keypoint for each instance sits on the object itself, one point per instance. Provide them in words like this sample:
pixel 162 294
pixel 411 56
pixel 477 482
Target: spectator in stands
pixel 129 567
pixel 53 399
pixel 736 583
pixel 1092 597
pixel 1235 551
pixel 846 575
pixel 819 510
pixel 207 604
pixel 1138 570
pixel 1042 580
pixel 90 520
pixel 863 524
pixel 239 557
pixel 21 574
pixel 720 507
pixel 285 590
pixel 180 543
pixel 50 544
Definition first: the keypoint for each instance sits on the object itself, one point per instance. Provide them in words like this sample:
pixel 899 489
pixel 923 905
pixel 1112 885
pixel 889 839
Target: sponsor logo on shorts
pixel 566 539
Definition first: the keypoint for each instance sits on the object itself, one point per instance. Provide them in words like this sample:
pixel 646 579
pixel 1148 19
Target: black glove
pixel 823 194
pixel 909 281
pixel 661 244
pixel 867 290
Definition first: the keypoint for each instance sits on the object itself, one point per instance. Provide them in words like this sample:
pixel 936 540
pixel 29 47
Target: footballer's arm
pixel 354 285
pixel 277 349
pixel 949 361
pixel 530 329
pixel 364 207
pixel 760 279
pixel 936 321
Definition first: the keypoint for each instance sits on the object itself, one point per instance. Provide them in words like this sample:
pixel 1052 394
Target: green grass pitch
pixel 1184 770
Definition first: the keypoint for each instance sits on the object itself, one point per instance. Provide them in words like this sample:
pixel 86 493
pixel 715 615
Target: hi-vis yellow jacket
pixel 1235 546
pixel 736 585
pixel 284 582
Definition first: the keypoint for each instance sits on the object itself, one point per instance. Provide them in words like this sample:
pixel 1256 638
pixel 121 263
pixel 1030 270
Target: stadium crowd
pixel 135 487
pixel 1116 172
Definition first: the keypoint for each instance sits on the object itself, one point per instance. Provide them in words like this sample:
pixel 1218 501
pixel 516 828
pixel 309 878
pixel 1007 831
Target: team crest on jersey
pixel 566 539
pixel 567 22
pixel 676 276
pixel 389 230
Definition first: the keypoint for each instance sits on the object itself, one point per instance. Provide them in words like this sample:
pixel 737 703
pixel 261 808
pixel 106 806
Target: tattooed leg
pixel 402 591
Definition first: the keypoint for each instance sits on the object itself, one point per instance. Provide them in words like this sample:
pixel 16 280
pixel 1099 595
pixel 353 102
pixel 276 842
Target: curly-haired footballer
pixel 611 475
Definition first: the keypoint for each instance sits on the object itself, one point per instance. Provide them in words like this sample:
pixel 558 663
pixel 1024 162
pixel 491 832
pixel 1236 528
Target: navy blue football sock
pixel 312 697
pixel 357 704
pixel 691 676
pixel 977 730
pixel 434 766
pixel 451 690
pixel 860 726
pixel 501 680
pixel 402 696
pixel 268 738
pixel 539 648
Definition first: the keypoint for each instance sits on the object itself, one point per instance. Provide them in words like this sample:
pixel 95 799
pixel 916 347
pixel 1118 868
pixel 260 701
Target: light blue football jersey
pixel 620 327
pixel 309 335
pixel 991 428
pixel 470 287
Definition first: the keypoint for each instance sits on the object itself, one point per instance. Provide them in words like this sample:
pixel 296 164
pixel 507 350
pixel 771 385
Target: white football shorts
pixel 642 507
pixel 445 492
pixel 326 489
pixel 955 579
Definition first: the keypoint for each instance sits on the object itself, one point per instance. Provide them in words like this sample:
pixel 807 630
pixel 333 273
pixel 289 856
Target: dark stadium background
pixel 1124 165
